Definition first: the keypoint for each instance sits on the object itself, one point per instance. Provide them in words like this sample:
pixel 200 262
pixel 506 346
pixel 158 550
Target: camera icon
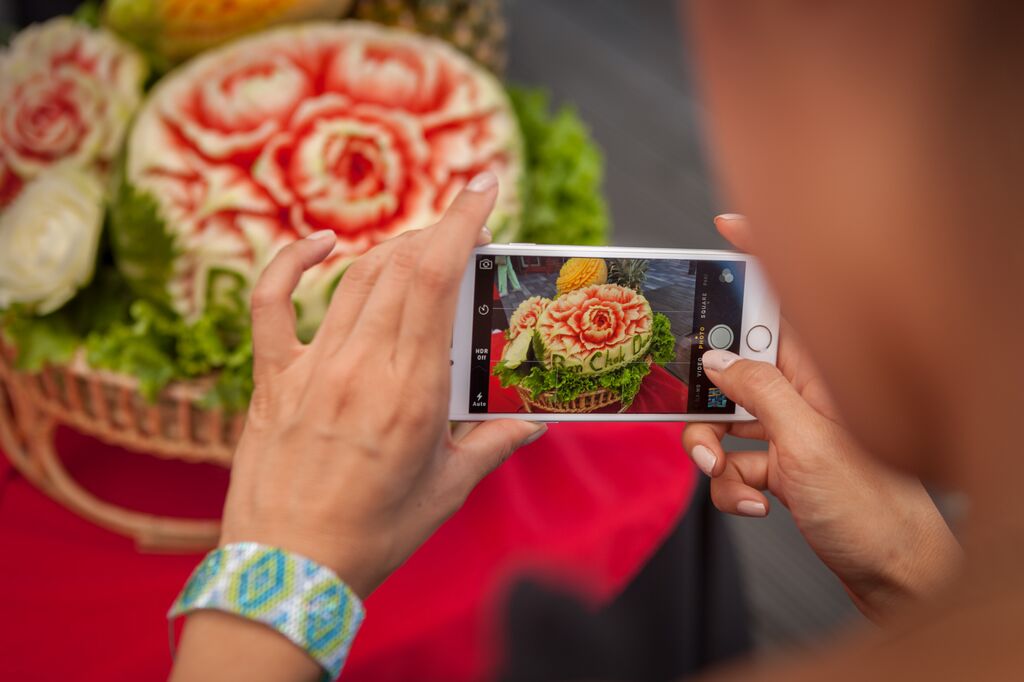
pixel 486 264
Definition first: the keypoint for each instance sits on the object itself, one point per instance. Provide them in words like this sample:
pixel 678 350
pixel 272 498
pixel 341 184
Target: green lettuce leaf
pixel 158 346
pixel 568 385
pixel 40 340
pixel 142 246
pixel 89 13
pixel 562 198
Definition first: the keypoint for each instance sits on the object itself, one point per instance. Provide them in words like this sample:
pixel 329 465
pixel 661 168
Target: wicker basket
pixel 583 403
pixel 108 406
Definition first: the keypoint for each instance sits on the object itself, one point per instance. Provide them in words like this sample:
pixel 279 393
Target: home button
pixel 759 338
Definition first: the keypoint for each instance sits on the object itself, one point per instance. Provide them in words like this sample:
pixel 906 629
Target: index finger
pixel 273 313
pixel 430 310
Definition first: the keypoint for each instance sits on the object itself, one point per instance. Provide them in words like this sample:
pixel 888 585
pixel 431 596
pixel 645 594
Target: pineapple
pixel 627 272
pixel 477 27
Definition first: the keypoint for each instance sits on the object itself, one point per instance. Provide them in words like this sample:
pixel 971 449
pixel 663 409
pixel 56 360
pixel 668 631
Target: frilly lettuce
pixel 562 198
pixel 569 385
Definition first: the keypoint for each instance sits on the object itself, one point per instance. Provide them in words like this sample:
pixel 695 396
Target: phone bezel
pixel 759 308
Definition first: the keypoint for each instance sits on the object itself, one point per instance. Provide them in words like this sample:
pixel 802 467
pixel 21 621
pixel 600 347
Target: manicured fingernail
pixel 482 182
pixel 703 458
pixel 751 508
pixel 321 234
pixel 730 216
pixel 484 237
pixel 718 360
pixel 541 430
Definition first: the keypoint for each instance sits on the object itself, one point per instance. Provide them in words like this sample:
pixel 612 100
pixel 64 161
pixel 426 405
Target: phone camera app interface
pixel 601 335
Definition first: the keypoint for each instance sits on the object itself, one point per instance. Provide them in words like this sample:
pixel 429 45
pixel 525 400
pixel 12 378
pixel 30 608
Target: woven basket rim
pixel 189 390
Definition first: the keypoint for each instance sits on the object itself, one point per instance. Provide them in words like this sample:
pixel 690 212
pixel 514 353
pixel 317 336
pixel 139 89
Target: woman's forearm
pixel 218 646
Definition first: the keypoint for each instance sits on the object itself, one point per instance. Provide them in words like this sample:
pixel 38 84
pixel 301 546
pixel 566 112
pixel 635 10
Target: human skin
pixel 877 153
pixel 876 150
pixel 876 528
pixel 347 456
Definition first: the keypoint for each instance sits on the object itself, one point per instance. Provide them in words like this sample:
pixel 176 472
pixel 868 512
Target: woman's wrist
pixel 354 561
pixel 917 561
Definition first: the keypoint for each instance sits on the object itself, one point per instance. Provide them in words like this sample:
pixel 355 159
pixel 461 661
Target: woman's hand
pixel 876 529
pixel 347 456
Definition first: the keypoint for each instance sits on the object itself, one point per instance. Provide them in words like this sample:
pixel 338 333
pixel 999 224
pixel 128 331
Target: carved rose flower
pixel 349 127
pixel 595 318
pixel 526 316
pixel 67 93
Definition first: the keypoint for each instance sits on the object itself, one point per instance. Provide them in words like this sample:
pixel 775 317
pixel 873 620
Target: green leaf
pixel 142 246
pixel 89 13
pixel 53 338
pixel 50 339
pixel 569 385
pixel 663 342
pixel 562 198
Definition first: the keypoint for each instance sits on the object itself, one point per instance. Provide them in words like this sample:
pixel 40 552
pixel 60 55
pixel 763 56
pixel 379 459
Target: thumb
pixel 759 387
pixel 487 445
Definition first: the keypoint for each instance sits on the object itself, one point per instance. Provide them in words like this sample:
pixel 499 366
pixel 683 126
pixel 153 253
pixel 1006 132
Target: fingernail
pixel 718 360
pixel 321 234
pixel 751 508
pixel 730 216
pixel 704 458
pixel 541 430
pixel 482 182
pixel 484 237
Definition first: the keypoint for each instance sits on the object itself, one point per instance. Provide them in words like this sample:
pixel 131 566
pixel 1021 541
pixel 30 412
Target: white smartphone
pixel 585 333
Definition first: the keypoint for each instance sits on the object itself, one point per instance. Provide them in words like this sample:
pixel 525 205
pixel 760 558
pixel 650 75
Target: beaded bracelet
pixel 299 598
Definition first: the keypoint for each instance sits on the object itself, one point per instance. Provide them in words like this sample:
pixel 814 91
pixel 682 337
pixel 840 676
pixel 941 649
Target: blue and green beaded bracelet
pixel 296 596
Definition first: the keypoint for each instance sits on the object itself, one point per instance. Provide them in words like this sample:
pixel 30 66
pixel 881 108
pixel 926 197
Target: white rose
pixel 48 238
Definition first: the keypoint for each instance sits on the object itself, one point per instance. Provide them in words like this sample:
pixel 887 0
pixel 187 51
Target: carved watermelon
pixel 521 328
pixel 595 329
pixel 351 127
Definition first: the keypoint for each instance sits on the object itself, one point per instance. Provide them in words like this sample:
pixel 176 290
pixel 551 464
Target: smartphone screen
pixel 601 335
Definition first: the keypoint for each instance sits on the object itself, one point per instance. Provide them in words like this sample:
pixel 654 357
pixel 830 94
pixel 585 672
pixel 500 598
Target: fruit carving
pixel 521 328
pixel 596 329
pixel 577 273
pixel 351 127
pixel 173 30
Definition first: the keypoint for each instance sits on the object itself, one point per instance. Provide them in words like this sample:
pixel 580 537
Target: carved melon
pixel 595 330
pixel 351 127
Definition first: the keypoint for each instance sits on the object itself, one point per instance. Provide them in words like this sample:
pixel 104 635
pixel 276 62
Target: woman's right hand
pixel 876 529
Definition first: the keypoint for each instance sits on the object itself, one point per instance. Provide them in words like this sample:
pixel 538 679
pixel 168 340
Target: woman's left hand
pixel 347 456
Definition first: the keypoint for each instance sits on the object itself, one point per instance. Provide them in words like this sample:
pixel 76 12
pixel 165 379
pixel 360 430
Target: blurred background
pixel 623 65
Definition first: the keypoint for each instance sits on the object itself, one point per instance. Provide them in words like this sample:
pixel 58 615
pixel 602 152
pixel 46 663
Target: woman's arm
pixel 877 529
pixel 347 457
pixel 219 646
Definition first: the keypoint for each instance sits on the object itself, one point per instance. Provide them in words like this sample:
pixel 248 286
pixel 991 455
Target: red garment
pixel 586 505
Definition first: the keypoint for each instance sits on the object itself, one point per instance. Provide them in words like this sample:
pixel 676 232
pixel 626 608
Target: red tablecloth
pixel 660 392
pixel 585 506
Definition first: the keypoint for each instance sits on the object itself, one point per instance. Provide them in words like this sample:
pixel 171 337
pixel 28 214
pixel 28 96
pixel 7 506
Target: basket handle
pixel 28 441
